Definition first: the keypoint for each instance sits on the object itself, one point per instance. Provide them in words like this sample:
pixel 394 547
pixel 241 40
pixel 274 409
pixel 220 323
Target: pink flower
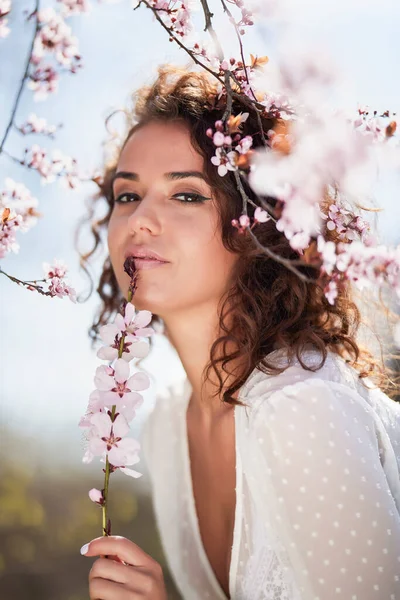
pixel 59 288
pixel 43 80
pixel 130 325
pixel 135 323
pixel 261 215
pixel 218 138
pixel 107 438
pixel 58 269
pixel 117 387
pixel 35 124
pixel 331 292
pixel 224 161
pixel 245 144
pixel 95 405
pixel 96 496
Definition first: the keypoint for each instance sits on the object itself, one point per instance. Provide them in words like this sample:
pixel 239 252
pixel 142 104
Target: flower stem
pixel 107 471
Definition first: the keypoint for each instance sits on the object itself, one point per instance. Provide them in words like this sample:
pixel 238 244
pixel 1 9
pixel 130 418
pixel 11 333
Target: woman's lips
pixel 148 263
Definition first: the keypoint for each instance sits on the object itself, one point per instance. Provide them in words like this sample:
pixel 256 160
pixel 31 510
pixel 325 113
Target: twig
pixel 28 284
pixel 11 121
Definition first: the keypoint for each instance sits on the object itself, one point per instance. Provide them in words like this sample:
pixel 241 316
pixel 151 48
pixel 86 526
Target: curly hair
pixel 267 304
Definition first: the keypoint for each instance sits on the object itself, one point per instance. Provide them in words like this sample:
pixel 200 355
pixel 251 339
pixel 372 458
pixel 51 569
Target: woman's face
pixel 157 210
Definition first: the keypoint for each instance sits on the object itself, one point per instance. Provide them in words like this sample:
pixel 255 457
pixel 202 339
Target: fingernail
pixel 84 548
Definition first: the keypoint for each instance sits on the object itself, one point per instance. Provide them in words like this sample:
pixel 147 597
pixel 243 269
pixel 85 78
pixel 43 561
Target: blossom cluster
pixel 374 126
pixel 55 275
pixel 35 124
pixel 17 212
pixel 53 39
pixel 229 143
pixel 57 166
pixel 366 266
pixel 347 224
pixel 113 403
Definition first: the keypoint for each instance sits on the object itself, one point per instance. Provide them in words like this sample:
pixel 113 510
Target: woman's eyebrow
pixel 171 176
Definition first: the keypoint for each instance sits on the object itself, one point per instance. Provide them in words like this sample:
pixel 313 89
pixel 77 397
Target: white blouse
pixel 317 488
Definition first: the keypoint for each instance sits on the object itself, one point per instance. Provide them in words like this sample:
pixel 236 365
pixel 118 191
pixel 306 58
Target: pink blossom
pixel 43 80
pixel 54 37
pixel 96 496
pixel 57 269
pixel 224 160
pixel 244 144
pixel 242 223
pixel 18 198
pixel 218 138
pixel 95 405
pixel 8 227
pixel 74 7
pixel 328 254
pixel 59 166
pixel 331 292
pixel 35 124
pixel 132 326
pixel 107 438
pixel 59 288
pixel 135 323
pixel 261 215
pixel 120 390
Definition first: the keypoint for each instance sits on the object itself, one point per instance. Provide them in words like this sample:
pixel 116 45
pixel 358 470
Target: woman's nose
pixel 145 216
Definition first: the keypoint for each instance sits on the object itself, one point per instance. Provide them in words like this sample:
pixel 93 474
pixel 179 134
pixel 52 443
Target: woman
pixel 275 472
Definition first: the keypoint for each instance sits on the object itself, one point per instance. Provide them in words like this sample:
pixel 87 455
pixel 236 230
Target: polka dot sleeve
pixel 321 488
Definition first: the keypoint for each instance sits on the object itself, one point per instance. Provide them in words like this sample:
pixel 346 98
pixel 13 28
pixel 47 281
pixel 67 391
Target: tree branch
pixel 21 87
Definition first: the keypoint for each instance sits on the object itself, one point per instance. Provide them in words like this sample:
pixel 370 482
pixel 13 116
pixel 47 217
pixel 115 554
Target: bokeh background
pixel 47 363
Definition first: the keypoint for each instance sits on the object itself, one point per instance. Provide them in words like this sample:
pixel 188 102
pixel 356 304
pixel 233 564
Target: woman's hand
pixel 127 574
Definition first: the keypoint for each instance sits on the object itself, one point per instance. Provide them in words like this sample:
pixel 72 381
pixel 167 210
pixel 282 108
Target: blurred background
pixel 47 363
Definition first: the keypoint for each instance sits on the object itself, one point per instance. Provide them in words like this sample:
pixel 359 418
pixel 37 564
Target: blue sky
pixel 47 365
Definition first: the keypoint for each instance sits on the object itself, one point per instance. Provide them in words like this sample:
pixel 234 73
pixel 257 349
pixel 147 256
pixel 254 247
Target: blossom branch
pixel 25 76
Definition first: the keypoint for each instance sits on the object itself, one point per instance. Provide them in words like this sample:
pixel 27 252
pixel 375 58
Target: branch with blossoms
pixel 307 152
pixel 53 50
pixel 113 404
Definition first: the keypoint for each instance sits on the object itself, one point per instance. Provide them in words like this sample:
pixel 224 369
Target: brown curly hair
pixel 298 314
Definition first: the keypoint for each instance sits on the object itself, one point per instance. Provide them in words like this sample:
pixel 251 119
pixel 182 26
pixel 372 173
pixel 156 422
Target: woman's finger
pixel 106 568
pixel 119 546
pixel 103 589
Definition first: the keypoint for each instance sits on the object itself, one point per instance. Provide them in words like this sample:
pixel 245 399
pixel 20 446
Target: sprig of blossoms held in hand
pixel 116 398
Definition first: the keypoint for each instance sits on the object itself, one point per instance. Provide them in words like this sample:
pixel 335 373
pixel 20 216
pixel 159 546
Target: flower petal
pixel 121 370
pixel 120 426
pixel 102 424
pixel 108 333
pixel 103 380
pixel 138 382
pixel 144 332
pixel 131 472
pixel 107 353
pixel 129 313
pixel 143 318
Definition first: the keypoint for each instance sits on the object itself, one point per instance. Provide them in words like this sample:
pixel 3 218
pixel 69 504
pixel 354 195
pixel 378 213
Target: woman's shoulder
pixel 334 368
pixel 334 374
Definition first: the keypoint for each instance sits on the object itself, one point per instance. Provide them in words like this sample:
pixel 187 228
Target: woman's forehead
pixel 165 146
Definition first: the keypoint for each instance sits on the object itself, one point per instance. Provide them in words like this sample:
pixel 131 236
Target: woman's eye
pixel 119 198
pixel 195 198
pixel 190 197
